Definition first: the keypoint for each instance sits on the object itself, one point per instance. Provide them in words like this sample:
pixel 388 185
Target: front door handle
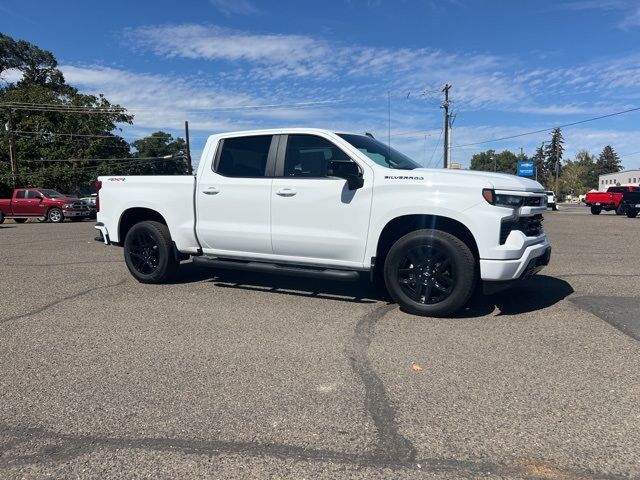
pixel 211 191
pixel 286 192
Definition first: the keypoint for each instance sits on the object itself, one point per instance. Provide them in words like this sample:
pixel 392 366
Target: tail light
pixel 98 187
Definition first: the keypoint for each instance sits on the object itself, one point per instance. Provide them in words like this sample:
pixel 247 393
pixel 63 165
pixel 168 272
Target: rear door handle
pixel 286 192
pixel 211 191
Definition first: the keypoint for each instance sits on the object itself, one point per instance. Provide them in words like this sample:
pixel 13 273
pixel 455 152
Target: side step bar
pixel 307 272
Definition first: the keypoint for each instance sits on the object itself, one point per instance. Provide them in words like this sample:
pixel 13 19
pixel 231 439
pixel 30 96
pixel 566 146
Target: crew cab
pixel 41 203
pixel 316 203
pixel 609 200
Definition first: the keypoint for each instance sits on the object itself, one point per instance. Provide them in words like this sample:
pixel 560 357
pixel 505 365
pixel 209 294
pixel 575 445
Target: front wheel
pixel 596 210
pixel 430 273
pixel 55 215
pixel 148 253
pixel 631 213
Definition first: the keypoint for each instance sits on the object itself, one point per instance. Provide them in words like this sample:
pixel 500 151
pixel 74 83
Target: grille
pixel 80 206
pixel 532 201
pixel 530 226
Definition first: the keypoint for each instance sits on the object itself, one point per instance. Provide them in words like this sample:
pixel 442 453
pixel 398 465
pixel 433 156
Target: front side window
pixel 33 194
pixel 311 156
pixel 51 193
pixel 244 156
pixel 380 153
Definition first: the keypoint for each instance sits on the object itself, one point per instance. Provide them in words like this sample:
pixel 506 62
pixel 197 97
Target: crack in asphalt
pixel 391 443
pixel 60 300
pixel 66 447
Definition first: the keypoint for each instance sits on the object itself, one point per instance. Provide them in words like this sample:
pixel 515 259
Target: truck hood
pixel 498 181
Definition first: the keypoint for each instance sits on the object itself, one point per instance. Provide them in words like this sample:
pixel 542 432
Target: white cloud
pixel 235 7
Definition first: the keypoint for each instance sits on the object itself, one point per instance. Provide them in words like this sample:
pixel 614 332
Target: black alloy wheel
pixel 149 252
pixel 144 252
pixel 430 273
pixel 426 274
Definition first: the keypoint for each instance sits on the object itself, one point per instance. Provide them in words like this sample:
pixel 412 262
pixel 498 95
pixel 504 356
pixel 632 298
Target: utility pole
pixel 12 150
pixel 447 134
pixel 189 164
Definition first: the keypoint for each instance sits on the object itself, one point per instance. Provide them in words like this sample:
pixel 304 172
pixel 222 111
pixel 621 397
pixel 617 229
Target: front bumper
pixel 76 213
pixel 534 259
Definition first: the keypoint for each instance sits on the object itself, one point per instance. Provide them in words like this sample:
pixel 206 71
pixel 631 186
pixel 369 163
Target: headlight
pixel 67 205
pixel 502 200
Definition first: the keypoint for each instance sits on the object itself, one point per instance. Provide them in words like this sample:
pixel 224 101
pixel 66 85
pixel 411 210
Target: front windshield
pixel 51 193
pixel 380 153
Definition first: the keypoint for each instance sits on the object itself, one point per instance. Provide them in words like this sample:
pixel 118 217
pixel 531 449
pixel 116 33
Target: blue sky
pixel 514 66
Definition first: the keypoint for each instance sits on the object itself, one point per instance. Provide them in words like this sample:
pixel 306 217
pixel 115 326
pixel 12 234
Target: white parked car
pixel 316 203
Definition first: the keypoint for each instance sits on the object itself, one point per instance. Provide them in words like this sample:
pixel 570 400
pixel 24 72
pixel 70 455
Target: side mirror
pixel 348 170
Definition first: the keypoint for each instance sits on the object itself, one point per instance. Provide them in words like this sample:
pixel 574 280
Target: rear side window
pixel 244 156
pixel 20 194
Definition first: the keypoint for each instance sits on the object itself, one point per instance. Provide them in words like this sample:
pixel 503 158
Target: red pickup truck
pixel 609 200
pixel 42 203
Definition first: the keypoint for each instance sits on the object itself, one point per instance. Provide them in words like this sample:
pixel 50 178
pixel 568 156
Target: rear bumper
pixel 104 234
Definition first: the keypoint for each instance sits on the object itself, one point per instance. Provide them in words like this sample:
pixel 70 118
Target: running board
pixel 278 269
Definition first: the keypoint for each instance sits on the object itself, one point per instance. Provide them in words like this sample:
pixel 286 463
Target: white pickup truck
pixel 316 203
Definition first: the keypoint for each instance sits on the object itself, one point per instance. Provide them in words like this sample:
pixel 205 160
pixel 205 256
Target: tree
pixel 52 123
pixel 608 162
pixel 587 163
pixel 553 158
pixel 157 145
pixel 490 161
pixel 540 165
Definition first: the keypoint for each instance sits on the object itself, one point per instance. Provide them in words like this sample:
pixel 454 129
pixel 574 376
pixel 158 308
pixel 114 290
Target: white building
pixel 624 178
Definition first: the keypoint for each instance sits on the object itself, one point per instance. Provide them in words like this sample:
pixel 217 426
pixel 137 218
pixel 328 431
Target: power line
pixel 547 129
pixel 57 134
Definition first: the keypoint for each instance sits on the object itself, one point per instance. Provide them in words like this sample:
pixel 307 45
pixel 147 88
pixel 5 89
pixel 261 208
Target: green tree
pixel 156 146
pixel 51 122
pixel 553 158
pixel 587 163
pixel 608 162
pixel 490 161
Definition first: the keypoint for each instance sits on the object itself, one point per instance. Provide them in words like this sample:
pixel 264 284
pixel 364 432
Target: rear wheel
pixel 148 253
pixel 55 215
pixel 631 213
pixel 430 273
pixel 20 220
pixel 596 210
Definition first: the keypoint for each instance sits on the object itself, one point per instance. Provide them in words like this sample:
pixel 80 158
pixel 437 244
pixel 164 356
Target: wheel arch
pixel 400 226
pixel 135 215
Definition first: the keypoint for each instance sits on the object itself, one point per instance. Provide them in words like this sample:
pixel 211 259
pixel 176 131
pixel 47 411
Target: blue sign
pixel 526 168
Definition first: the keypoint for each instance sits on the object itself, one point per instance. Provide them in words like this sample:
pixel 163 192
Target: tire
pixel 149 254
pixel 55 215
pixel 20 220
pixel 418 282
pixel 631 213
pixel 1 217
pixel 76 219
pixel 621 210
pixel 596 210
pixel 554 208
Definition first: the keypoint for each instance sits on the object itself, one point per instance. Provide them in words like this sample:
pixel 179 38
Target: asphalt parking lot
pixel 228 375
